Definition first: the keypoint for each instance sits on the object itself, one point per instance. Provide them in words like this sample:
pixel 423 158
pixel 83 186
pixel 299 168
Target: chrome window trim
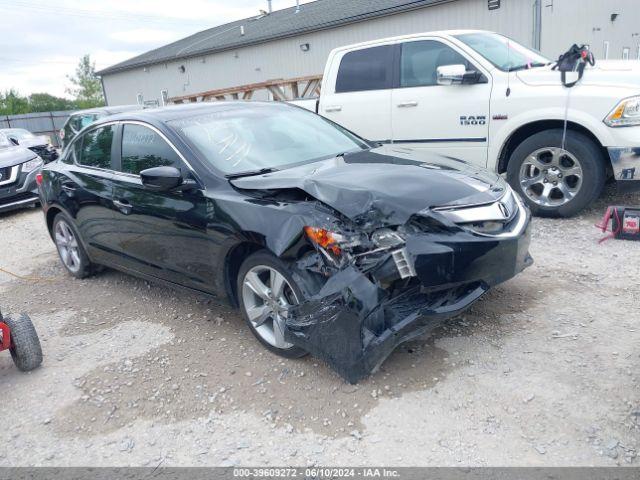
pixel 77 137
pixel 164 137
pixel 13 175
pixel 125 174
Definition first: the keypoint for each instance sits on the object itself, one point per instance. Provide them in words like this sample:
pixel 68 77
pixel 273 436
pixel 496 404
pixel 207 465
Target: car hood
pixel 605 73
pixel 36 141
pixel 392 181
pixel 10 156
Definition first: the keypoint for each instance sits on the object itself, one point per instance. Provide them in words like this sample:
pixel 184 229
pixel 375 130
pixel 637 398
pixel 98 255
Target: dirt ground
pixel 544 370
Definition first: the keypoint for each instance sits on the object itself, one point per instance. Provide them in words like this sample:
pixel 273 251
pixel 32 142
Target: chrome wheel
pixel 67 245
pixel 551 176
pixel 267 296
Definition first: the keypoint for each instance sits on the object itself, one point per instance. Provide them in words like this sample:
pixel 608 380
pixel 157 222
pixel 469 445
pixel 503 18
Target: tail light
pixel 39 178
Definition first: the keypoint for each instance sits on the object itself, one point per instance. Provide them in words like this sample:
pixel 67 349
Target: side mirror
pixel 14 141
pixel 457 75
pixel 161 179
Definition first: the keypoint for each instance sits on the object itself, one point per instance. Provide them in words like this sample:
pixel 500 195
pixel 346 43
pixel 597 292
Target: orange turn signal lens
pixel 323 238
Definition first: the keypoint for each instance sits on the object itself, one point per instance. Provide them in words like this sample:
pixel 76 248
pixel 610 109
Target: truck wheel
pixel 557 182
pixel 25 346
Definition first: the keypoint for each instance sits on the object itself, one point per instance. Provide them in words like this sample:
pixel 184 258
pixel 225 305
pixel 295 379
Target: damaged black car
pixel 328 245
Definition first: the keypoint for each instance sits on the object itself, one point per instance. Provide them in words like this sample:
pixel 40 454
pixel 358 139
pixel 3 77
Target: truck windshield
pixel 262 137
pixel 504 53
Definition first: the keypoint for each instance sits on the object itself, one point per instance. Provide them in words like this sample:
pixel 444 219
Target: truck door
pixel 452 120
pixel 360 99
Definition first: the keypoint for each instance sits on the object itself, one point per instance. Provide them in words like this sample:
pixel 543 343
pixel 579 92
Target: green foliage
pixel 11 103
pixel 86 87
pixel 43 102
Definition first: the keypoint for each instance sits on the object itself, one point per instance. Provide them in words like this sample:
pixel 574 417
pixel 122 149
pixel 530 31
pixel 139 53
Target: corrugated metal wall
pixel 284 59
pixel 563 23
pixel 41 123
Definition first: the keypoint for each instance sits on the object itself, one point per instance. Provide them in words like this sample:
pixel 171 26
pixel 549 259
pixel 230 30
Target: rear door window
pixel 366 69
pixel 143 148
pixel 419 62
pixel 96 147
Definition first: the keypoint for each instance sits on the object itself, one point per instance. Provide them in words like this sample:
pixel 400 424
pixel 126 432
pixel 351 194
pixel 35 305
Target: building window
pixel 493 4
pixel 625 53
pixel 606 50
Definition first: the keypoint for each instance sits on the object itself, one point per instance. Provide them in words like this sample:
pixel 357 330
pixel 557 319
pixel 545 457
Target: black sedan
pixel 18 169
pixel 327 244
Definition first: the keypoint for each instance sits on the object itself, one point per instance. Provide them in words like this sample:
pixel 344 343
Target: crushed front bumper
pixel 354 324
pixel 626 167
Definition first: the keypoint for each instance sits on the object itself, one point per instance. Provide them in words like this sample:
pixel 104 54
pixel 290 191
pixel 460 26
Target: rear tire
pixel 262 272
pixel 556 182
pixel 70 250
pixel 25 345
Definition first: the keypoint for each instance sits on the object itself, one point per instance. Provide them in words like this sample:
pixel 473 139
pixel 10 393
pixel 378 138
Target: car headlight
pixel 31 165
pixel 386 238
pixel 626 113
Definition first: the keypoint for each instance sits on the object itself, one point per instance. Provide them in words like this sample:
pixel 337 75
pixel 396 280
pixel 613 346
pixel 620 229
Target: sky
pixel 41 41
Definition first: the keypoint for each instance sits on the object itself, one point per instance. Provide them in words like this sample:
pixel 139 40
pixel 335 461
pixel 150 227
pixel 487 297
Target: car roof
pixel 111 110
pixel 174 112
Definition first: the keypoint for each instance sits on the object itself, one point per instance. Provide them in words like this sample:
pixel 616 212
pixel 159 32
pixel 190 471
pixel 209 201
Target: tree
pixel 86 87
pixel 12 103
pixel 44 102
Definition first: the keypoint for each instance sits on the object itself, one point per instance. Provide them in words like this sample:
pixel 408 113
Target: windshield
pixel 261 137
pixel 502 52
pixel 19 133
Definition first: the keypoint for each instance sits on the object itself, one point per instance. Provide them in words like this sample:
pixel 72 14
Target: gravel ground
pixel 543 371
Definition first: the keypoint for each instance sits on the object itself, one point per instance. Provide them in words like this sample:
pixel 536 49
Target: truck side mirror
pixel 458 75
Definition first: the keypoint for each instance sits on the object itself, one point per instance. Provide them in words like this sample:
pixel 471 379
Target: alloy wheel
pixel 551 176
pixel 67 245
pixel 266 297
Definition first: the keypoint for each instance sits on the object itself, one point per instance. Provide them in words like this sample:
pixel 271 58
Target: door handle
pixel 124 206
pixel 411 103
pixel 333 108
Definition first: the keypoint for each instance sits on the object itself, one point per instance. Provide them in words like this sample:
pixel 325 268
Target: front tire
pixel 265 291
pixel 557 182
pixel 70 249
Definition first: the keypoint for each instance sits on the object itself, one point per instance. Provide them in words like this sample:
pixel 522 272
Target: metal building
pixel 296 41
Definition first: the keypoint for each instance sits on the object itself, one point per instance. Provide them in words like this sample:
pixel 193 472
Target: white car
pixel 483 98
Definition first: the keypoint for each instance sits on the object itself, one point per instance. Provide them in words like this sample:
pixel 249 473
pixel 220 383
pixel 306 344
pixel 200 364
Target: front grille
pixel 502 218
pixel 8 175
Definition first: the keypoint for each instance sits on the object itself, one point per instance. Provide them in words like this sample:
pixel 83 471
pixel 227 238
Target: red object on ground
pixel 6 337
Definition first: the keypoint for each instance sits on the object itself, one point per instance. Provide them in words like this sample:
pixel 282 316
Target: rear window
pixel 367 69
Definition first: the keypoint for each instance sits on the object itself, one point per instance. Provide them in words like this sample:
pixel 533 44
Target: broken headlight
pixel 386 238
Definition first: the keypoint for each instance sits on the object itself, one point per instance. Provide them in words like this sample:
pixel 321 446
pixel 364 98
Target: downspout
pixel 104 92
pixel 537 24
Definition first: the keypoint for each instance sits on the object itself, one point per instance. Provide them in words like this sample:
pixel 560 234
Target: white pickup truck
pixel 485 99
